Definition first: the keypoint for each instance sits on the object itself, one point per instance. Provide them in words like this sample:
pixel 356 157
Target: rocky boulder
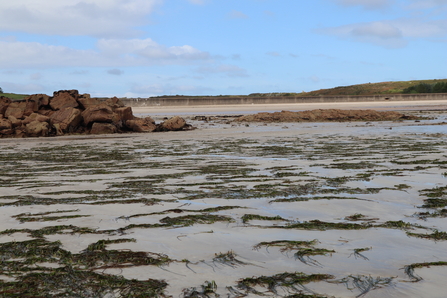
pixel 46 112
pixel 64 99
pixel 85 101
pixel 4 103
pixel 16 109
pixel 68 112
pixel 114 103
pixel 35 117
pixel 37 129
pixel 14 121
pixel 121 115
pixel 141 124
pixel 5 124
pixel 172 124
pixel 98 113
pixel 67 120
pixel 326 115
pixel 31 107
pixel 40 99
pixel 103 128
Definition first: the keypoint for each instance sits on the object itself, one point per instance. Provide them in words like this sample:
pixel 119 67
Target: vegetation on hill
pixel 439 87
pixel 13 95
pixel 398 87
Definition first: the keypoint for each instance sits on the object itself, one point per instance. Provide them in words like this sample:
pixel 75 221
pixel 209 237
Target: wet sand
pixel 294 172
pixel 254 108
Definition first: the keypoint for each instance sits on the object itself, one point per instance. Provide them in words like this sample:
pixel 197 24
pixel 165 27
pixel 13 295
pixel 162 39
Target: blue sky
pixel 141 48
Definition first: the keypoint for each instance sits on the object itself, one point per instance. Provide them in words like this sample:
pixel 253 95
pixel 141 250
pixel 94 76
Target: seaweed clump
pixel 291 281
pixel 409 269
pixel 40 268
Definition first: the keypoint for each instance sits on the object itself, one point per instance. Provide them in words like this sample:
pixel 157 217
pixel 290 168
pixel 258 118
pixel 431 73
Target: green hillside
pixel 14 96
pixel 397 87
pixel 419 86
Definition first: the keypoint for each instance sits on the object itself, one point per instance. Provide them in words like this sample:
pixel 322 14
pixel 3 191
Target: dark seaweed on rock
pixel 326 115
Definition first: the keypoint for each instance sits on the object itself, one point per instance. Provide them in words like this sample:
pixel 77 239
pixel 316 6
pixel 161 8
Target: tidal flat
pixel 353 209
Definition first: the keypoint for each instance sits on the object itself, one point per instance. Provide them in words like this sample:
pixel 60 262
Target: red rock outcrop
pixel 64 99
pixel 325 115
pixel 14 121
pixel 67 120
pixel 142 124
pixel 16 109
pixel 175 123
pixel 37 129
pixel 86 101
pixel 67 112
pixel 103 128
pixel 4 103
pixel 5 124
pixel 98 113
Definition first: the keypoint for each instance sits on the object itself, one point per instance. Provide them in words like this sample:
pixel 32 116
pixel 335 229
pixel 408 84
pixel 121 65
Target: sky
pixel 142 48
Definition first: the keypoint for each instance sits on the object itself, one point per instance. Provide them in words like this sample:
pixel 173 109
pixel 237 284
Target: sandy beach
pixel 352 209
pixel 256 108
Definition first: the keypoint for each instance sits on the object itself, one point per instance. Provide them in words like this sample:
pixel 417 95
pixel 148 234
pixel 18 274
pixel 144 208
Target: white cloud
pixel 115 72
pixel 234 14
pixel 197 2
pixel 147 48
pixel 273 54
pixel 227 69
pixel 99 18
pixel 315 79
pixel 110 53
pixel 379 33
pixel 377 30
pixel 427 4
pixel 166 89
pixel 367 4
pixel 79 72
pixel 390 34
pixel 149 90
pixel 34 54
pixel 21 88
pixel 36 76
pixel 269 13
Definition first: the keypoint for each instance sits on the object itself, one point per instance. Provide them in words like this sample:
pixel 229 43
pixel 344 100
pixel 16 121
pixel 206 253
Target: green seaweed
pixel 434 203
pixel 436 235
pixel 228 259
pixel 208 290
pixel 286 245
pixel 365 284
pixel 292 281
pixel 304 255
pixel 247 217
pixel 358 253
pixel 323 226
pixel 69 282
pixel 409 269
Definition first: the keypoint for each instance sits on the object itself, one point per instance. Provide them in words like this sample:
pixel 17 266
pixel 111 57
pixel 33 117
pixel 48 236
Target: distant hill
pixel 398 87
pixel 14 96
